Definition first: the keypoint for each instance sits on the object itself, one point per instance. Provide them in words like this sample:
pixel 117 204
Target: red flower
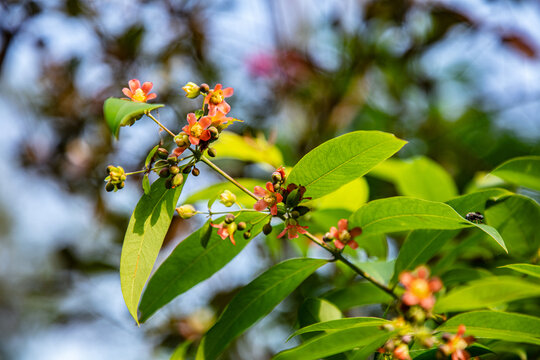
pixel 226 230
pixel 139 93
pixel 221 121
pixel 197 130
pixel 216 100
pixel 342 236
pixel 456 344
pixel 270 198
pixel 419 288
pixel 293 229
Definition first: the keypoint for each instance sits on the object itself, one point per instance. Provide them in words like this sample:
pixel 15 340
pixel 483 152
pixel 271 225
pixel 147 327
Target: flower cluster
pixel 342 236
pixel 116 178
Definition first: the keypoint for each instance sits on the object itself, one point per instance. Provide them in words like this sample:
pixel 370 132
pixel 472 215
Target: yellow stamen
pixel 139 96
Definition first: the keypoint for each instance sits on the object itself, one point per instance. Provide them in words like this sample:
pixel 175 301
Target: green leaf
pixel 146 184
pixel 180 351
pixel 357 294
pixel 256 300
pixel 402 213
pixel 334 342
pixel 517 218
pixel 370 348
pixel 144 236
pixel 150 156
pixel 349 197
pixel 258 150
pixel 379 270
pixel 523 171
pixel 212 191
pixel 205 234
pixel 529 269
pixel 486 292
pixel 120 112
pixel 497 325
pixel 340 324
pixel 421 245
pixel 189 264
pixel 430 354
pixel 316 310
pixel 418 177
pixel 341 160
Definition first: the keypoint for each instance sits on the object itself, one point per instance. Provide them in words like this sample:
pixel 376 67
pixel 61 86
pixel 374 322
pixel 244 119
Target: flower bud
pixel 182 140
pixel 293 198
pixel 328 237
pixel 186 170
pixel 161 163
pixel 164 172
pixel 177 180
pixel 229 218
pixel 195 171
pixel 267 229
pixel 192 90
pixel 276 177
pixel 162 153
pixel 214 132
pixel 242 225
pixel 227 198
pixel 120 185
pixel 109 187
pixel 231 228
pixel 110 168
pixel 212 152
pixel 172 159
pixel 247 234
pixel 186 211
pixel 295 214
pixel 174 169
pixel 204 88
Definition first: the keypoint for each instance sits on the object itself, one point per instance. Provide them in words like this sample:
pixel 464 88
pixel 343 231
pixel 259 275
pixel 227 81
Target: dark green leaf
pixel 150 156
pixel 486 292
pixel 341 160
pixel 189 264
pixel 497 325
pixel 206 233
pixel 256 300
pixel 146 184
pixel 523 171
pixel 430 354
pixel 340 324
pixel 120 112
pixel 144 236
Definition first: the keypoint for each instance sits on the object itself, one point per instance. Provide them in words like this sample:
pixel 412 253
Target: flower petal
pixel 134 84
pixel 259 191
pixel 293 234
pixel 409 298
pixel 127 92
pixel 435 284
pixel 428 303
pixel 357 231
pixel 191 119
pixel 353 244
pixel 339 244
pixel 273 210
pixel 205 135
pixel 224 107
pixel 281 234
pixel 406 278
pixel 193 140
pixel 270 186
pixel 146 87
pixel 151 96
pixel 228 92
pixel 260 205
pixel 342 224
pixel 422 272
pixel 205 121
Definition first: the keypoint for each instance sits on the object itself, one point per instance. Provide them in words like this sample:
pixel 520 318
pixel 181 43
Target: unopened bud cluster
pixel 115 179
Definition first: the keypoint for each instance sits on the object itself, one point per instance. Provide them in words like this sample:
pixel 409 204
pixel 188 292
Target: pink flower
pixel 342 236
pixel 419 288
pixel 139 93
pixel 456 344
pixel 216 100
pixel 226 230
pixel 270 198
pixel 293 229
pixel 197 130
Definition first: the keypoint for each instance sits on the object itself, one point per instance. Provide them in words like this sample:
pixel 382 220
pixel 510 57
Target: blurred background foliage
pixel 458 79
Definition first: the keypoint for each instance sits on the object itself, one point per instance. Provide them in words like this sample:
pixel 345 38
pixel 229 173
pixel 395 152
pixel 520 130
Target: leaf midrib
pixel 410 215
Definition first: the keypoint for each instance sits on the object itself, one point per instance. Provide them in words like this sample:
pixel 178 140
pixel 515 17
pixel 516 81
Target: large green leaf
pixel 144 236
pixel 340 324
pixel 342 159
pixel 517 218
pixel 189 264
pixel 316 310
pixel 350 196
pixel 529 269
pixel 121 112
pixel 357 294
pixel 334 342
pixel 523 171
pixel 418 177
pixel 430 354
pixel 256 300
pixel 486 292
pixel 421 245
pixel 497 325
pixel 234 146
pixel 215 190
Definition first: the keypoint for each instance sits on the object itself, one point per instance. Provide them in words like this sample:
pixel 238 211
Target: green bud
pixel 276 177
pixel 231 228
pixel 293 198
pixel 295 214
pixel 120 185
pixel 204 88
pixel 174 169
pixel 212 152
pixel 172 159
pixel 195 171
pixel 192 90
pixel 242 225
pixel 227 198
pixel 182 140
pixel 267 229
pixel 229 218
pixel 214 132
pixel 162 153
pixel 186 211
pixel 164 173
pixel 109 187
pixel 177 180
pixel 328 237
pixel 247 234
pixel 110 168
pixel 161 163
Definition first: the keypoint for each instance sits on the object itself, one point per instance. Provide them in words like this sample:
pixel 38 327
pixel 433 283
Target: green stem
pixel 227 212
pixel 214 167
pixel 160 124
pixel 155 168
